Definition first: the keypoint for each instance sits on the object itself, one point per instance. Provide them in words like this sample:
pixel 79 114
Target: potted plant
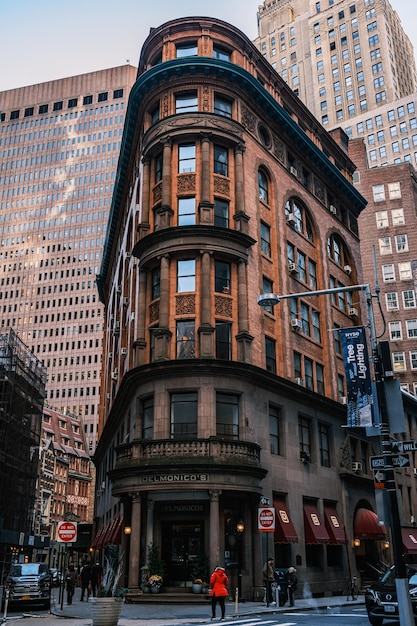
pixel 197 585
pixel 107 606
pixel 156 568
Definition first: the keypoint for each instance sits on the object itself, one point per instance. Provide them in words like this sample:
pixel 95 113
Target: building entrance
pixel 181 544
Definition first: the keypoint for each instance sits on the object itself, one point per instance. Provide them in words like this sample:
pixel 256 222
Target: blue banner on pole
pixel 358 378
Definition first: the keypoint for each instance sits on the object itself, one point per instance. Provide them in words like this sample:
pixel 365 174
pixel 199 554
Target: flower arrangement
pixel 198 581
pixel 155 580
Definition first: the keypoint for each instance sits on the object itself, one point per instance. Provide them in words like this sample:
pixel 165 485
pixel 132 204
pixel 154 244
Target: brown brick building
pixel 227 188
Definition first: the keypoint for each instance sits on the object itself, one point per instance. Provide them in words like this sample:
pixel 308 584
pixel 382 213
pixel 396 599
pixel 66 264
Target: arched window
pixel 263 186
pixel 297 216
pixel 337 251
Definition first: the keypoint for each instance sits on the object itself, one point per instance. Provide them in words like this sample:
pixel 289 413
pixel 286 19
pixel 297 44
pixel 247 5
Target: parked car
pixel 56 577
pixel 28 583
pixel 381 597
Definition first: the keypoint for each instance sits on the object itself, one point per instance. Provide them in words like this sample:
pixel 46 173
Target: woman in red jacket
pixel 218 582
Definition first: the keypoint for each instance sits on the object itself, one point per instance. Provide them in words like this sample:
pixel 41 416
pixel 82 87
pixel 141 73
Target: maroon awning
pixel 96 543
pixel 409 537
pixel 115 538
pixel 314 529
pixel 366 525
pixel 284 528
pixel 333 525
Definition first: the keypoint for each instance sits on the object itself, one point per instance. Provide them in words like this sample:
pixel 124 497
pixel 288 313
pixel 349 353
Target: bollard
pixel 237 602
pixel 6 605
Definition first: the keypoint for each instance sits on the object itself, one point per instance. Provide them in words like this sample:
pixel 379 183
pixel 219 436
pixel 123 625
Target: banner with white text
pixel 358 378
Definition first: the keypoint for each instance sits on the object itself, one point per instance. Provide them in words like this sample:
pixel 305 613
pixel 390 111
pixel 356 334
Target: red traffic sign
pixel 66 532
pixel 266 520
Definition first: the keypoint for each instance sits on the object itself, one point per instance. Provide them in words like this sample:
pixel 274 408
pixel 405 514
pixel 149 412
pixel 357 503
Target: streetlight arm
pixel 271 299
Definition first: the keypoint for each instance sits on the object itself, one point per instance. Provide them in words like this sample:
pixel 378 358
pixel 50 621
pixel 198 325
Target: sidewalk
pixel 176 614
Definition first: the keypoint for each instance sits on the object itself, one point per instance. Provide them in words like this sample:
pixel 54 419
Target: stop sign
pixel 266 520
pixel 66 532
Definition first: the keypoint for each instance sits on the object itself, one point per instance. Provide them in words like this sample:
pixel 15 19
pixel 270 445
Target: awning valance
pixel 284 528
pixel 367 526
pixel 409 537
pixel 333 525
pixel 314 529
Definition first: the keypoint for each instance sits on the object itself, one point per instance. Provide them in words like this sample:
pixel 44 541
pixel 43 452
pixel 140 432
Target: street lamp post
pixel 240 527
pixel 401 582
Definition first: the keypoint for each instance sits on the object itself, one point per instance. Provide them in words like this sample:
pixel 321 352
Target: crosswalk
pixel 252 621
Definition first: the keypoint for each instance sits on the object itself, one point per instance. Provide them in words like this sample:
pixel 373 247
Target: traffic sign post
pixel 66 532
pixel 266 520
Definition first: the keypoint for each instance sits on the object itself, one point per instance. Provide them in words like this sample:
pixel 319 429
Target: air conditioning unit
pixel 293 268
pixel 300 381
pixel 119 289
pixel 352 312
pixel 305 457
pixel 115 374
pixel 415 471
pixel 332 209
pixel 125 301
pixel 348 269
pixel 356 467
pixel 123 351
pixel 344 400
pixel 291 219
pixel 296 324
pixel 293 171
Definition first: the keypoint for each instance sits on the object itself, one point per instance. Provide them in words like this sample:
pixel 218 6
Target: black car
pixel 28 583
pixel 381 597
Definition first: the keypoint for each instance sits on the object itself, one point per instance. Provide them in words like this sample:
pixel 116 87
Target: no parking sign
pixel 266 520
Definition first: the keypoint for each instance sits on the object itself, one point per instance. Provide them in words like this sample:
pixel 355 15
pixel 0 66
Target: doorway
pixel 181 544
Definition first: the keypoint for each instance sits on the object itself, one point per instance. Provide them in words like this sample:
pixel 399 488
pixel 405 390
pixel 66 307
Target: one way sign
pixel 377 462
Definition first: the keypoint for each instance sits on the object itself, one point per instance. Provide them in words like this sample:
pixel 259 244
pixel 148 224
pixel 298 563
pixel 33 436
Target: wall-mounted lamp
pixel 240 526
pixel 385 545
pixel 356 543
pixel 127 530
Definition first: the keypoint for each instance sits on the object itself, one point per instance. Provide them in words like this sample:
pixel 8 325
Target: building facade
pixel 212 405
pixel 342 59
pixel 59 145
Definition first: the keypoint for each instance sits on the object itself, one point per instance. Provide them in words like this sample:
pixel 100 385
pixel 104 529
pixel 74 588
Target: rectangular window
pixel 147 418
pixel 187 50
pixel 304 430
pixel 184 415
pixel 308 373
pixel 409 299
pixel 397 216
pixel 404 270
pixel 265 239
pixel 398 360
pixel 227 415
pixel 395 331
pixel 223 341
pixel 221 213
pixel 221 53
pixel 274 429
pixel 118 93
pixel 401 243
pixel 186 339
pixel 324 435
pixel 186 102
pixel 102 97
pixel 58 106
pixel 43 109
pixel 73 102
pixel 385 245
pixel 186 212
pixel 392 301
pixel 158 167
pixel 87 100
pixel 186 276
pixel 378 193
pixel 222 106
pixel 381 219
pixel 411 328
pixel 413 359
pixel 394 191
pixel 156 283
pixel 221 157
pixel 267 287
pixel 186 158
pixel 270 355
pixel 221 277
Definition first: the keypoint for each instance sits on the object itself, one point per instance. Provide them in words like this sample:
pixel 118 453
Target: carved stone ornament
pixel 248 120
pixel 223 306
pixel 185 305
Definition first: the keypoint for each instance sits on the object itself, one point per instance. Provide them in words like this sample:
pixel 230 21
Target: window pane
pixel 186 276
pixel 183 415
pixel 223 346
pixel 227 415
pixel 186 339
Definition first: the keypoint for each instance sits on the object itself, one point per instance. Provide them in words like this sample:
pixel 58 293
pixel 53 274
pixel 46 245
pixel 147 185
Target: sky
pixel 44 40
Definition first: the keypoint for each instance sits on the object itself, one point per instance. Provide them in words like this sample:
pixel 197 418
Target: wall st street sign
pixel 399 447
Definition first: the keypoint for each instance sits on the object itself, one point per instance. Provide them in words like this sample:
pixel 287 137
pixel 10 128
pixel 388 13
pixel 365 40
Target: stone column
pixel 206 330
pixel 149 526
pixel 215 529
pixel 134 572
pixel 140 321
pixel 244 339
pixel 205 207
pixel 240 217
pixel 162 334
pixel 165 212
pixel 144 225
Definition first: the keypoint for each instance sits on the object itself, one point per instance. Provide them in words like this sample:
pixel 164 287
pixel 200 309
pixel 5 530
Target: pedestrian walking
pixel 85 578
pixel 70 582
pixel 292 584
pixel 96 576
pixel 218 583
pixel 269 578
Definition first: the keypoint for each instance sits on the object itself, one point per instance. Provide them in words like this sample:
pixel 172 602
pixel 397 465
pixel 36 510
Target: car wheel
pixel 375 621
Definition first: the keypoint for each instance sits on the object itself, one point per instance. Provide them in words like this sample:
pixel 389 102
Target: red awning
pixel 96 543
pixel 366 525
pixel 333 525
pixel 284 528
pixel 409 537
pixel 115 538
pixel 314 529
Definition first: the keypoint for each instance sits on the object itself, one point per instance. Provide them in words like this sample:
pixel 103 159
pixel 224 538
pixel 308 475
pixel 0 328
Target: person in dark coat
pixel 292 584
pixel 96 576
pixel 70 582
pixel 218 582
pixel 85 578
pixel 269 577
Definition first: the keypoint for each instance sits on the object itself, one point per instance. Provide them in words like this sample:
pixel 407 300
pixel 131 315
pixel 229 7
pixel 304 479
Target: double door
pixel 181 545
